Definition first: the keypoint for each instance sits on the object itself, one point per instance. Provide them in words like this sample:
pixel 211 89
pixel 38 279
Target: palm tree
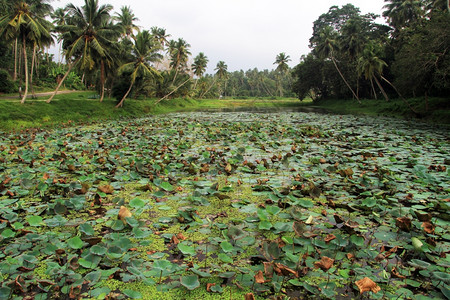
pixel 222 73
pixel 281 61
pixel 326 48
pixel 88 39
pixel 282 67
pixel 126 21
pixel 371 65
pixel 401 13
pixel 179 53
pixel 160 35
pixel 144 51
pixel 26 23
pixel 199 66
pixel 59 17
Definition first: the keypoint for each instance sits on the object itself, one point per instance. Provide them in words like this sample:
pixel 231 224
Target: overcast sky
pixel 243 33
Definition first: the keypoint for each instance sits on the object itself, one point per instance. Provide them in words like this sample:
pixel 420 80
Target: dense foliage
pixel 354 56
pixel 100 47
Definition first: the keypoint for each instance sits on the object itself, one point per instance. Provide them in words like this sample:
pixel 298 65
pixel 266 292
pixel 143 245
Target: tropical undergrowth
pixel 226 205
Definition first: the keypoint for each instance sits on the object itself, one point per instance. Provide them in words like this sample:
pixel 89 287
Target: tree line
pixel 108 52
pixel 353 56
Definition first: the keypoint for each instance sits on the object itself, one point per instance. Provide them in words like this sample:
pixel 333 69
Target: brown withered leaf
pixel 391 251
pixel 107 189
pixel 403 223
pixel 325 263
pixel 380 257
pixel 396 274
pixel 123 214
pixel 209 285
pixel 329 238
pixel 249 296
pixel 338 219
pixel 423 216
pixel 175 240
pixel 259 277
pixel 285 271
pixel 350 256
pixel 366 284
pixel 180 236
pixel 428 227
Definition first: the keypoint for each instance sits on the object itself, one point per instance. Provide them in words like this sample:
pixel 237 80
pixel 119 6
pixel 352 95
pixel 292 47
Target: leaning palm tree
pixel 371 65
pixel 26 23
pixel 126 21
pixel 145 51
pixel 199 66
pixel 179 53
pixel 326 48
pixel 88 39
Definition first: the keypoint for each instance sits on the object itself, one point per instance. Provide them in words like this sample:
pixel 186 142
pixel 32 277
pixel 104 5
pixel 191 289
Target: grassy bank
pixel 436 111
pixel 82 107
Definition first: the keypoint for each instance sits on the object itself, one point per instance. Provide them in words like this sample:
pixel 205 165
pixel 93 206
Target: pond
pixel 212 204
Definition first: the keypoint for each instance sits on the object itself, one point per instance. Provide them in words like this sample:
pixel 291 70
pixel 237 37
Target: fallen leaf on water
pixel 395 273
pixel 107 189
pixel 329 238
pixel 249 296
pixel 403 223
pixel 259 277
pixel 209 285
pixel 325 263
pixel 366 284
pixel 428 227
pixel 124 213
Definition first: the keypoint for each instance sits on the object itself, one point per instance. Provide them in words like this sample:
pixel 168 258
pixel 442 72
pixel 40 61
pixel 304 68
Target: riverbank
pixel 84 107
pixel 434 111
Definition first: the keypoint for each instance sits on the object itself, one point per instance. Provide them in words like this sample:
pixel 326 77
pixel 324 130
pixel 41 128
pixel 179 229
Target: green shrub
pixel 6 84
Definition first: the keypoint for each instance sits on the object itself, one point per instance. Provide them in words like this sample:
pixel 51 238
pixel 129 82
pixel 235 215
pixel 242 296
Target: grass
pixel 84 107
pixel 438 110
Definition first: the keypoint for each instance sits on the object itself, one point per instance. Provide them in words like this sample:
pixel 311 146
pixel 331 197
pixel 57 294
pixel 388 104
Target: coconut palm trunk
pixel 120 104
pixel 381 88
pixel 404 100
pixel 173 91
pixel 208 89
pixel 102 80
pixel 15 60
pixel 62 80
pixel 33 61
pixel 343 78
pixel 26 70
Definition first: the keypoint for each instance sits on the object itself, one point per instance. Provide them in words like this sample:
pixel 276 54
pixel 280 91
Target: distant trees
pixel 411 55
pixel 107 51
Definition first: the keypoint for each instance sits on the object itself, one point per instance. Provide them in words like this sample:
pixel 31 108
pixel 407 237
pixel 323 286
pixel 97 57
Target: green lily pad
pixel 190 282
